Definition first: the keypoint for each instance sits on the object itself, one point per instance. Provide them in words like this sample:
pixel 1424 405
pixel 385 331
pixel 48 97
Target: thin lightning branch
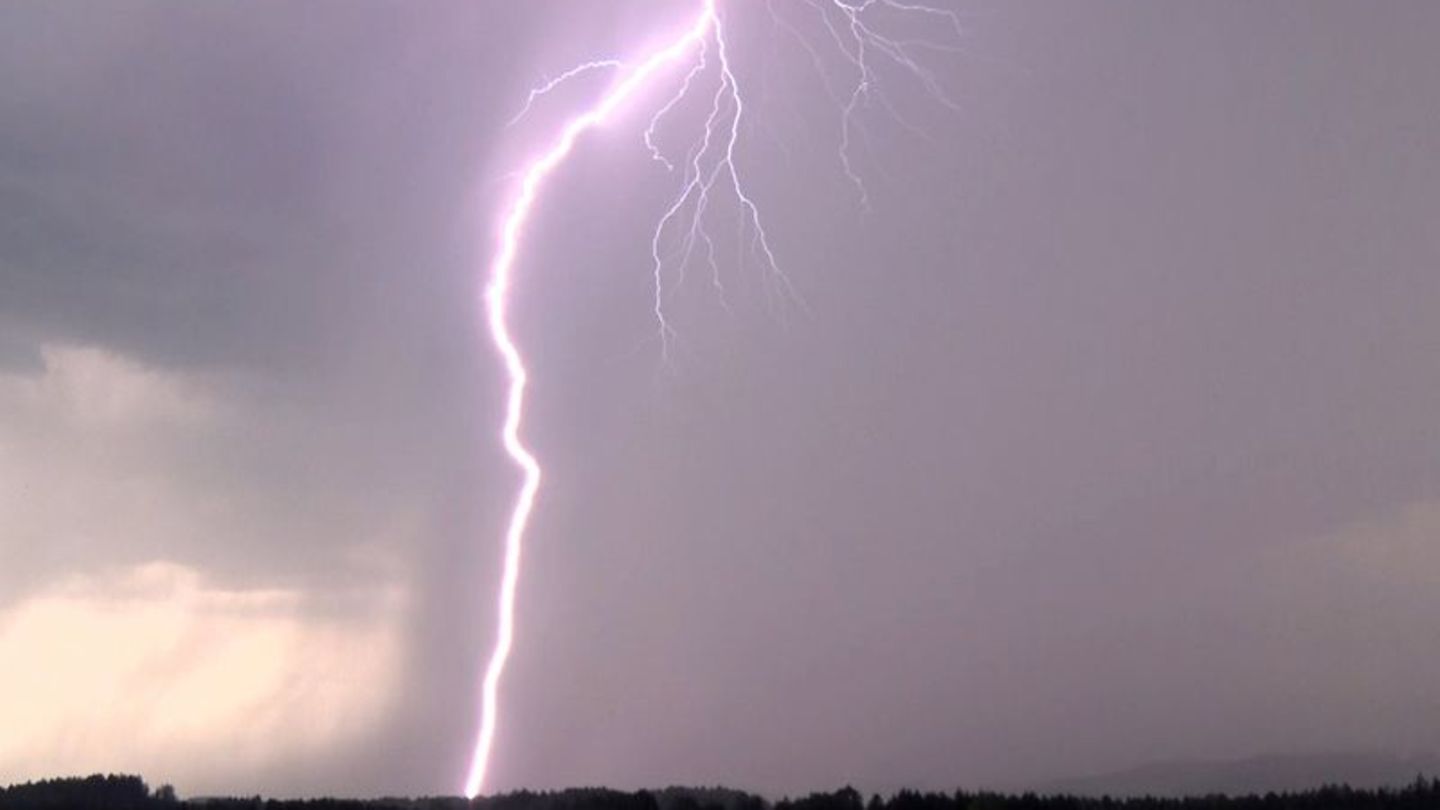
pixel 711 164
pixel 859 46
pixel 708 170
pixel 544 89
pixel 700 64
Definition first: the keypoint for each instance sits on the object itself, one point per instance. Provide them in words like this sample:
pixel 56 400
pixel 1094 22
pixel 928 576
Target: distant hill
pixel 1258 775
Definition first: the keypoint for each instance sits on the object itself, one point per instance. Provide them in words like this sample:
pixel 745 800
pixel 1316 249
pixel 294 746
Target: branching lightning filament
pixel 697 59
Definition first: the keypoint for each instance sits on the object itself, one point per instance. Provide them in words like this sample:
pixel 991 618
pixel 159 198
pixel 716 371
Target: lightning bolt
pixel 497 299
pixel 706 170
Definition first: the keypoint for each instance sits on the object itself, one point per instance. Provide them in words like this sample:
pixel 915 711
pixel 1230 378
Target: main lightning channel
pixel 497 301
pixel 859 42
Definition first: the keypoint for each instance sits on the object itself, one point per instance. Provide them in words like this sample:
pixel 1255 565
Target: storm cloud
pixel 1106 435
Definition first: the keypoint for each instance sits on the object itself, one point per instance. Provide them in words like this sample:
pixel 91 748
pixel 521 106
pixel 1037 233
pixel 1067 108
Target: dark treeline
pixel 131 793
pixel 89 793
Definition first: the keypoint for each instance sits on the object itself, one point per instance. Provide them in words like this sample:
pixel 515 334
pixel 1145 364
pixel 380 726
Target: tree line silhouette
pixel 117 792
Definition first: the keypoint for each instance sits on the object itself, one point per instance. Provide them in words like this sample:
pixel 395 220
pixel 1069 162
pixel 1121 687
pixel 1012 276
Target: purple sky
pixel 1108 436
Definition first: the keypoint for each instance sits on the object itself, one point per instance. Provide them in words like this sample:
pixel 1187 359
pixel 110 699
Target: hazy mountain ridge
pixel 1254 775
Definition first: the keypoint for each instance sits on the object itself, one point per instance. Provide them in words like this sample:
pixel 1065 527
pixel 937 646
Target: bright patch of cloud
pixel 88 472
pixel 93 388
pixel 153 670
pixel 105 461
pixel 198 670
pixel 1399 548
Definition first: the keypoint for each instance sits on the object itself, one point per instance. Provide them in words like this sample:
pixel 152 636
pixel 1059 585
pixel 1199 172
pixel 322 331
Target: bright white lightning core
pixel 707 167
pixel 496 299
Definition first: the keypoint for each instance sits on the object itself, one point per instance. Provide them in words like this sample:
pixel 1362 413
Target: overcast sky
pixel 1108 434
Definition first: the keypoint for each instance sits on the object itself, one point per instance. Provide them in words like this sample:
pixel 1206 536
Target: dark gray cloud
pixel 1105 436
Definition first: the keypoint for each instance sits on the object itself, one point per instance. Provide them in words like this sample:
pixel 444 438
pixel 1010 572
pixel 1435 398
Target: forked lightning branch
pixel 694 61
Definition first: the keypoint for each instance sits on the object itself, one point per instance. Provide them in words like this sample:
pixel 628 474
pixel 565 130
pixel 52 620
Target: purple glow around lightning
pixel 708 168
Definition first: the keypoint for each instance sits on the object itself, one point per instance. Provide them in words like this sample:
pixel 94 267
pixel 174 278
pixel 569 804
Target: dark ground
pixel 132 793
